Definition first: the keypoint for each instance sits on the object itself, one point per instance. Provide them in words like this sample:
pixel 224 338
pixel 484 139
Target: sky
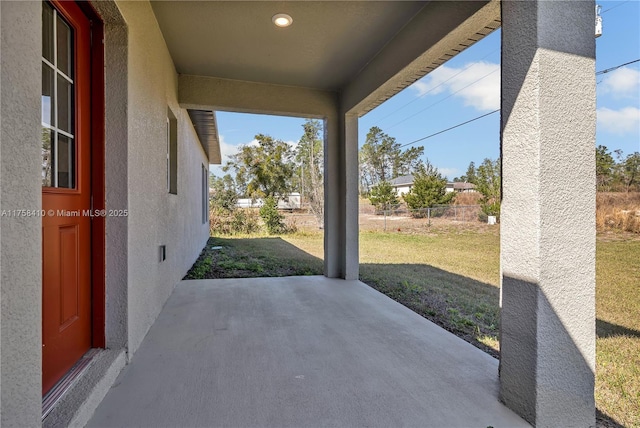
pixel 468 86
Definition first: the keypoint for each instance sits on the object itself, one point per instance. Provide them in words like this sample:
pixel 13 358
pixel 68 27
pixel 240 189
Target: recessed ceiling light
pixel 282 20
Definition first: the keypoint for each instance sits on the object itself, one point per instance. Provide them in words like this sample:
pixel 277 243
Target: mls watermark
pixel 63 213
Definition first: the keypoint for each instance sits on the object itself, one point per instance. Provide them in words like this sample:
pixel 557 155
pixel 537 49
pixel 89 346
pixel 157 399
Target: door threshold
pixel 57 392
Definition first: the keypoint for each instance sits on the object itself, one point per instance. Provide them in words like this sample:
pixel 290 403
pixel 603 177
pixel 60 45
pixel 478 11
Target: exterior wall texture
pixel 20 237
pixel 547 342
pixel 141 84
pixel 157 217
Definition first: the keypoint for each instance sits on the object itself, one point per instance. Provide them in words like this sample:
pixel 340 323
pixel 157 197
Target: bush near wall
pixel 618 211
pixel 239 221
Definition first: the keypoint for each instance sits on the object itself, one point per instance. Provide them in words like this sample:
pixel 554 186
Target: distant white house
pixel 461 187
pixel 291 202
pixel 403 185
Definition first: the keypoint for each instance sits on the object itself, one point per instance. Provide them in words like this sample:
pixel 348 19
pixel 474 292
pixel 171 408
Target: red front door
pixel 66 188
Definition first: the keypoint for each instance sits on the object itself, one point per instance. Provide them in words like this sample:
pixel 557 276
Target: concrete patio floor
pixel 300 352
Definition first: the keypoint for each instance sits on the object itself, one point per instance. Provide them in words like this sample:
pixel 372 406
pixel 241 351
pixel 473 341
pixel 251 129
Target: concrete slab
pixel 300 352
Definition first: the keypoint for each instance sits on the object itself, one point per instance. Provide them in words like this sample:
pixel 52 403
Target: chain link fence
pixel 407 219
pixel 402 219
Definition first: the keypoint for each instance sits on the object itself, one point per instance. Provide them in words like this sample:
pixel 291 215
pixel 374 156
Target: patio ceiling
pixel 328 43
pixel 230 56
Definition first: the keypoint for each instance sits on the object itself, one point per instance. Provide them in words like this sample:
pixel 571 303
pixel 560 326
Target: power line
pixel 437 86
pixel 449 129
pixel 490 113
pixel 613 7
pixel 616 67
pixel 441 100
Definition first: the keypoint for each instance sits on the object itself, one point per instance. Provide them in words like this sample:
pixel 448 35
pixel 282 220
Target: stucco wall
pixel 20 238
pixel 548 232
pixel 155 216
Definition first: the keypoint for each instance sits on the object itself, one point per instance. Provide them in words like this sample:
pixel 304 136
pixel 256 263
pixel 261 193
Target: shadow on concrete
pixel 605 329
pixel 467 307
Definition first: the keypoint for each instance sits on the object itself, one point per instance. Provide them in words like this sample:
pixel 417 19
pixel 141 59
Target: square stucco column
pixel 341 258
pixel 547 361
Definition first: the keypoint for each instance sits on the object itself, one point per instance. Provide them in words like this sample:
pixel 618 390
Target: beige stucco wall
pixel 155 216
pixel 20 237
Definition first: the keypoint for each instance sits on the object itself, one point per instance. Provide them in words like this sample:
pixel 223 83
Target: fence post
pixel 385 220
pixel 429 215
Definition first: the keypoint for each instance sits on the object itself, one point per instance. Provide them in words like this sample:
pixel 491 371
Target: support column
pixel 341 259
pixel 547 361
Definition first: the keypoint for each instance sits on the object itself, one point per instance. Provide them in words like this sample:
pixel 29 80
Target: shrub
pixel 488 184
pixel 429 189
pixel 383 197
pixel 238 221
pixel 272 218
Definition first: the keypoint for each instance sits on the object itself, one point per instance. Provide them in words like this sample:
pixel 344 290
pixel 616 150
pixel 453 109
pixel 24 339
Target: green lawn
pixel 451 277
pixel 618 325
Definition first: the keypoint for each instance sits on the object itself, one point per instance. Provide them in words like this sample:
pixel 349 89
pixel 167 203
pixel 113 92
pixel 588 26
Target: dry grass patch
pixel 618 212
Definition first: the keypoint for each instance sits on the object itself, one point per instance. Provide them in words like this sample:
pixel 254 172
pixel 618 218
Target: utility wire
pixel 437 86
pixel 449 129
pixel 441 100
pixel 616 67
pixel 613 7
pixel 490 113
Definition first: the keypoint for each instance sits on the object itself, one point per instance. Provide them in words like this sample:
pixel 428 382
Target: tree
pixel 488 183
pixel 630 169
pixel 224 193
pixel 429 189
pixel 383 196
pixel 604 168
pixel 382 159
pixel 310 163
pixel 266 168
pixel 470 176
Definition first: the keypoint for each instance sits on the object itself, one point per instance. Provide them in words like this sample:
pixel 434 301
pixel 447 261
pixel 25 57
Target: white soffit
pixel 204 122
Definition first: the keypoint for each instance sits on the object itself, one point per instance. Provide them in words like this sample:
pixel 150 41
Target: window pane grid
pixel 58 96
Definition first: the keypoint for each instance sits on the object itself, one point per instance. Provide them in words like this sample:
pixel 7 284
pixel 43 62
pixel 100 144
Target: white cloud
pixel 477 83
pixel 622 83
pixel 619 122
pixel 226 150
pixel 448 172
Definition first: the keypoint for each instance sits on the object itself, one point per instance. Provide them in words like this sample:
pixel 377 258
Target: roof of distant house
pixel 461 185
pixel 402 181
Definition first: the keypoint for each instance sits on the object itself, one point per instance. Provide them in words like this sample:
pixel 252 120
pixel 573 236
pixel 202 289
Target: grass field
pixel 451 277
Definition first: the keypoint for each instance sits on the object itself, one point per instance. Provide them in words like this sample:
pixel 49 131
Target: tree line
pixel 382 160
pixel 616 172
pixel 271 170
